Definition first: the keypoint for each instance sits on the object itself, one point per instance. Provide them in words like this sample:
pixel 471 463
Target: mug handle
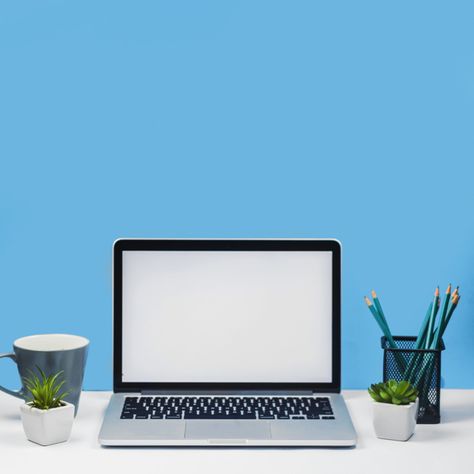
pixel 15 393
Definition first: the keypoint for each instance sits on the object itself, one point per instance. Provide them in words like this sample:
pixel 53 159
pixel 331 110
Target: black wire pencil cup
pixel 418 359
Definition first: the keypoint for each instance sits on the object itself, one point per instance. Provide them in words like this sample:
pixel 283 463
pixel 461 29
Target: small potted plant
pixel 47 418
pixel 395 409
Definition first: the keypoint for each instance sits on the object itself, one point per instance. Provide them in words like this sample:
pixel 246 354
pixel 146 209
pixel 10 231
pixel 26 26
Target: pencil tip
pixel 437 291
pixel 449 289
pixel 368 302
pixel 374 295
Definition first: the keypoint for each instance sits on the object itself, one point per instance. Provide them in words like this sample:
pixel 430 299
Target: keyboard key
pixel 266 408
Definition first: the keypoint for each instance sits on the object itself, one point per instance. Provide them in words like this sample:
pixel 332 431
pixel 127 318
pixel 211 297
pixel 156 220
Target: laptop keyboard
pixel 227 408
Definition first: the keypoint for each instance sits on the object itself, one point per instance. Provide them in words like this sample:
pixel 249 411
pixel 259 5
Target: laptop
pixel 232 342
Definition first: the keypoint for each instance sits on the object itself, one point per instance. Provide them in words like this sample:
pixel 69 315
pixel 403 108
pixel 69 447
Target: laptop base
pixel 330 433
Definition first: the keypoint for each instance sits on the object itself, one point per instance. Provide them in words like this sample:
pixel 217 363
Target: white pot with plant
pixel 47 418
pixel 395 409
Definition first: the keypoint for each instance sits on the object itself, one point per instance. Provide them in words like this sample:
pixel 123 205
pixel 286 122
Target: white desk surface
pixel 444 448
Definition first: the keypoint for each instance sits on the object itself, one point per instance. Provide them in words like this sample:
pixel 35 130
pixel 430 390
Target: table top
pixel 446 447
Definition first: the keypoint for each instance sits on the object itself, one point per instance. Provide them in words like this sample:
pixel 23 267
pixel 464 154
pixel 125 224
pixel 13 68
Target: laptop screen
pixel 227 316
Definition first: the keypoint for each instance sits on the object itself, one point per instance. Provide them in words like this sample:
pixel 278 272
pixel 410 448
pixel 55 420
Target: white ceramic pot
pixel 47 426
pixel 396 422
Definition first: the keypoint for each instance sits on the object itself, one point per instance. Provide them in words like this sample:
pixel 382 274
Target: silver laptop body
pixel 227 342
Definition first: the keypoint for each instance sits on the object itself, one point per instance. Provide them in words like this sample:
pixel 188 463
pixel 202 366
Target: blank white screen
pixel 219 316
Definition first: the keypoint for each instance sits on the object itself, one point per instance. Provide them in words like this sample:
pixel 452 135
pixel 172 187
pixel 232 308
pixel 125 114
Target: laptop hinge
pixel 227 392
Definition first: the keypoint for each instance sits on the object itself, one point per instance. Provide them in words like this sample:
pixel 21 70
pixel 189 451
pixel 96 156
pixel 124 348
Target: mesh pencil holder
pixel 421 367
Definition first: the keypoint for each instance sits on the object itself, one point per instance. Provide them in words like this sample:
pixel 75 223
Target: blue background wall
pixel 185 118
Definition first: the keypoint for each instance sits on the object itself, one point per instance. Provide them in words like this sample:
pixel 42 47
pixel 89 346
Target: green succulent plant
pixel 396 393
pixel 45 390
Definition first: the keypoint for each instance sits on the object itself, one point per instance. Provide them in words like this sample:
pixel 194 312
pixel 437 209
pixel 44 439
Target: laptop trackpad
pixel 227 429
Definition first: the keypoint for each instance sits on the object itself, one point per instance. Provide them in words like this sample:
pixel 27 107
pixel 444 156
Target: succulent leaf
pixel 45 390
pixel 393 392
pixel 402 387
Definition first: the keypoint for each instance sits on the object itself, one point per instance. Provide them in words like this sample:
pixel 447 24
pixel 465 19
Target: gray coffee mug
pixel 52 353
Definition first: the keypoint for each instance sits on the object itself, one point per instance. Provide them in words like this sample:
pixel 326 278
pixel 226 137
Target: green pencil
pixel 420 343
pixel 428 370
pixel 431 322
pixel 424 326
pixel 378 306
pixel 386 331
pixel 454 303
pixel 455 296
pixel 442 319
pixel 424 337
pixel 382 324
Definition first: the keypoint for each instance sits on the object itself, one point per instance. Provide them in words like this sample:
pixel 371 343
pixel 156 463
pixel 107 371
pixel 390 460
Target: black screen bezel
pixel 122 245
